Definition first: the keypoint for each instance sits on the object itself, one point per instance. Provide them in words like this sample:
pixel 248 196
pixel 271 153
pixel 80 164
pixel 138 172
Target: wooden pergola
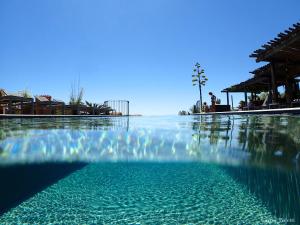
pixel 44 105
pixel 17 103
pixel 253 85
pixel 283 68
pixel 284 48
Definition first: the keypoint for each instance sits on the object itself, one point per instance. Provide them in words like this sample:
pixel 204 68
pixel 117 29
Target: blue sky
pixel 138 50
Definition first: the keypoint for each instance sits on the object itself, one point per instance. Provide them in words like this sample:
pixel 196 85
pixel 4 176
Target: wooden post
pixel 269 92
pixel 289 91
pixel 32 107
pixel 21 110
pixel 63 108
pixel 274 86
pixel 9 107
pixel 246 100
pixel 51 108
pixel 296 90
pixel 231 102
pixel 227 95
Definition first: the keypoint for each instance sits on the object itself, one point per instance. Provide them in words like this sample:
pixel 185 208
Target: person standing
pixel 213 102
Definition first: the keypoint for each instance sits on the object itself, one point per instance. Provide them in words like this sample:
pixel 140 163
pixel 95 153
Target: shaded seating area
pixel 11 103
pixel 21 103
pixel 44 105
pixel 282 56
pixel 16 105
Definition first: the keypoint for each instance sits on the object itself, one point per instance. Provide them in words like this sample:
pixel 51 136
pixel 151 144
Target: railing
pixel 119 107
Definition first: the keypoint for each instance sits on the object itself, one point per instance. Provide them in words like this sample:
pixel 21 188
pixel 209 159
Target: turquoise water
pixel 151 170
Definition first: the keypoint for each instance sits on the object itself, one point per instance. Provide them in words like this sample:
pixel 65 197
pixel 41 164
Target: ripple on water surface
pixel 145 193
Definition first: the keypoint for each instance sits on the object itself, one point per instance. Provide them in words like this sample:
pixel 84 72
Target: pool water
pixel 150 170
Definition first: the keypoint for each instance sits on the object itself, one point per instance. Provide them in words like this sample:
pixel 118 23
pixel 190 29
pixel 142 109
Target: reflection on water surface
pixel 256 140
pixel 173 170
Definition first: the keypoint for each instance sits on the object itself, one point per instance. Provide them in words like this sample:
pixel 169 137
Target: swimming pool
pixel 150 170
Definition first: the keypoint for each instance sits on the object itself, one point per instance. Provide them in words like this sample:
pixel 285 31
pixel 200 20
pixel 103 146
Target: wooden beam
pixel 270 52
pixel 51 108
pixel 22 107
pixel 274 86
pixel 289 90
pixel 9 107
pixel 227 95
pixel 32 107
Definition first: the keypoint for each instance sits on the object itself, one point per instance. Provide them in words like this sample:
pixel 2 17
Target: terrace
pixel 21 105
pixel 282 55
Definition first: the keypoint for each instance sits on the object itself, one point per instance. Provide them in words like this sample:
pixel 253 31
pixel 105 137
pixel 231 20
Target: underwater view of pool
pixel 213 169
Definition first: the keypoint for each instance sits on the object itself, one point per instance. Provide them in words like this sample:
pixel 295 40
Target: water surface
pixel 147 170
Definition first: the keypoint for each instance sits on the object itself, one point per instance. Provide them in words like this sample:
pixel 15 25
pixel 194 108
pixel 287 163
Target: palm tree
pixel 198 78
pixel 92 106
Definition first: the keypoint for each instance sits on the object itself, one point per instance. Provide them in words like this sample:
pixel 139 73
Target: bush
pixel 182 113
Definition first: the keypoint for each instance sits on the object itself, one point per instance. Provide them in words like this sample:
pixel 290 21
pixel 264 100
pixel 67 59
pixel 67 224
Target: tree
pixel 182 113
pixel 198 78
